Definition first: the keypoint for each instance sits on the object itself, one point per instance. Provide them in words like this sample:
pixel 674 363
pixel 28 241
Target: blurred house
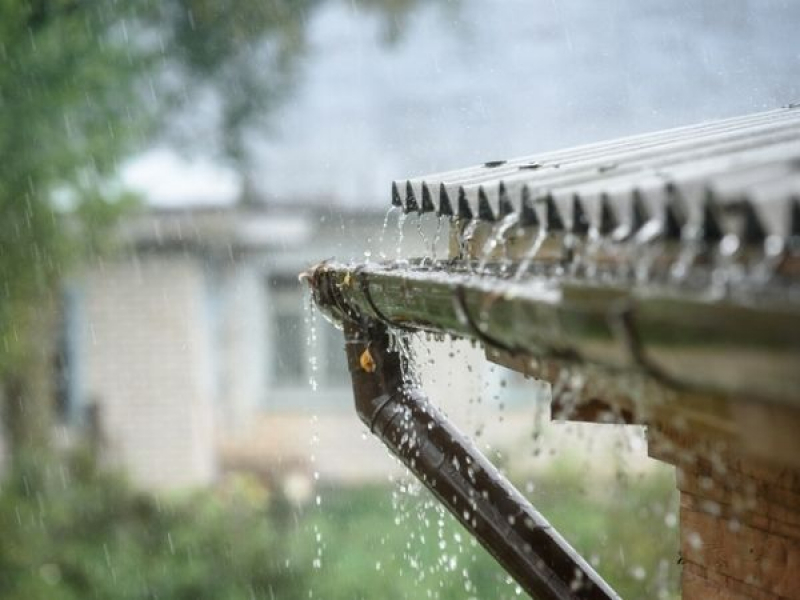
pixel 193 350
pixel 199 327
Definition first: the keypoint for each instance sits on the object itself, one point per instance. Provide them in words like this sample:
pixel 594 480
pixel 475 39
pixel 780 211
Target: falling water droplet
pixel 437 236
pixel 530 255
pixel 401 222
pixel 501 229
pixel 382 237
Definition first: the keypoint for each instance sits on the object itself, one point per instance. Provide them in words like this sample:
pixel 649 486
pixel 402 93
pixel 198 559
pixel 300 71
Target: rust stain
pixel 367 362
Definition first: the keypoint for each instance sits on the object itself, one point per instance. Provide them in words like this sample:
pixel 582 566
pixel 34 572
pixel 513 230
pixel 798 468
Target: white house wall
pixel 178 349
pixel 147 365
pixel 242 345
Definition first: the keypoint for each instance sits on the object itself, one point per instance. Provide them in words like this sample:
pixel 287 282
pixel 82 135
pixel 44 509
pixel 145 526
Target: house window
pixel 295 349
pixel 290 355
pixel 335 359
pixel 66 358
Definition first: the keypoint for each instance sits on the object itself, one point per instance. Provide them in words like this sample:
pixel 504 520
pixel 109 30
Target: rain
pixel 345 299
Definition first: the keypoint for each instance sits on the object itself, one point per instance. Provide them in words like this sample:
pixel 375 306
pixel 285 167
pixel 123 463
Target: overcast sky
pixel 492 80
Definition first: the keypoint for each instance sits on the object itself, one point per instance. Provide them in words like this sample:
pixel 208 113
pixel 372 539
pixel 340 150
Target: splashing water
pixel 589 258
pixel 763 268
pixel 437 236
pixel 644 259
pixel 463 237
pixel 401 222
pixel 421 232
pixel 433 555
pixel 311 342
pixel 499 235
pixel 686 259
pixel 530 255
pixel 382 237
pixel 316 562
pixel 466 237
pixel 728 269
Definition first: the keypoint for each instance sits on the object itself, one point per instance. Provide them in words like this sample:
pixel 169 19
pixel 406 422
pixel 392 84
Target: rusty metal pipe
pixel 451 467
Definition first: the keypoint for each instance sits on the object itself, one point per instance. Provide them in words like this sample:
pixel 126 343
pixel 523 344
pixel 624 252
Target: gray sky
pixel 494 79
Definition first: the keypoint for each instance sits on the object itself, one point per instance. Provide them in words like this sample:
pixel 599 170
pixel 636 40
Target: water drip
pixel 530 255
pixel 437 236
pixel 763 267
pixel 498 236
pixel 423 237
pixel 401 221
pixel 466 237
pixel 644 257
pixel 311 342
pixel 592 251
pixel 382 238
pixel 686 259
pixel 727 269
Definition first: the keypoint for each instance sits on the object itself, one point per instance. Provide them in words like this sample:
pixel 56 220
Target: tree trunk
pixel 28 389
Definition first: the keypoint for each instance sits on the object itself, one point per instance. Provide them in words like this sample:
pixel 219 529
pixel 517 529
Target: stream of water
pixel 498 236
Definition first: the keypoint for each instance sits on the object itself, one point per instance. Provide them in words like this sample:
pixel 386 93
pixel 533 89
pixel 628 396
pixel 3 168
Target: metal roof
pixel 739 176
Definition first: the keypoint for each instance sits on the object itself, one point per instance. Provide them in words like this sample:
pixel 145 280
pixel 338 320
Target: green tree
pixel 84 84
pixel 99 538
pixel 65 90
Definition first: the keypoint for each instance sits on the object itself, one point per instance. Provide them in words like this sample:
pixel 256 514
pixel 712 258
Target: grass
pixel 398 543
pixel 82 533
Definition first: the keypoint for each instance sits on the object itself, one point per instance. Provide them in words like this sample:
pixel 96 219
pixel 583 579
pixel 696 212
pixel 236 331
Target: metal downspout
pixel 453 468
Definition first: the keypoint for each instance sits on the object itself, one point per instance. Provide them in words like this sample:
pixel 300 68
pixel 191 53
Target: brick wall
pixel 740 519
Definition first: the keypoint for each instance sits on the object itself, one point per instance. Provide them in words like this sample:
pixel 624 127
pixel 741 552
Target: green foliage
pixel 249 54
pixel 243 53
pixel 395 13
pixel 626 527
pixel 67 112
pixel 83 85
pixel 376 548
pixel 382 544
pixel 86 534
pixel 83 533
